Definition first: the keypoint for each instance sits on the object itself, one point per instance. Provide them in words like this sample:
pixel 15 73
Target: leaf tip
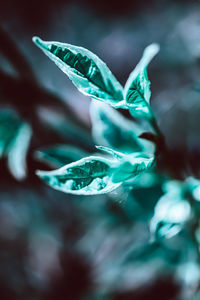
pixel 153 49
pixel 98 147
pixel 40 173
pixel 38 41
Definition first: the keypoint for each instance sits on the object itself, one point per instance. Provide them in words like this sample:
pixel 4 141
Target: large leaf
pixel 137 89
pixel 131 166
pixel 88 176
pixel 88 72
pixel 111 129
pixel 59 155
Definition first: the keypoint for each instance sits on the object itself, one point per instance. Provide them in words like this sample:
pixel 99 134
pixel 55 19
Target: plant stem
pixel 155 126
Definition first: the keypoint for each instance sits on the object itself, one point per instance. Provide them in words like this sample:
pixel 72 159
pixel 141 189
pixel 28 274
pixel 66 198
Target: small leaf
pixel 59 155
pixel 137 89
pixel 88 72
pixel 88 176
pixel 9 124
pixel 14 141
pixel 111 129
pixel 131 166
pixel 171 211
pixel 18 151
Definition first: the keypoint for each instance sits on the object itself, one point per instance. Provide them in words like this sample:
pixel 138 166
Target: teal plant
pixel 130 156
pixel 128 159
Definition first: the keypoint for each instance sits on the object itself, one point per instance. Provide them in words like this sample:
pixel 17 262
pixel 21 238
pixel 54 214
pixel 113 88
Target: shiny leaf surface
pixel 88 72
pixel 137 89
pixel 88 176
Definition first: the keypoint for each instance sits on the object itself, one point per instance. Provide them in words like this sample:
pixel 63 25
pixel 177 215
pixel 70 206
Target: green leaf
pixel 131 166
pixel 137 89
pixel 9 124
pixel 15 137
pixel 88 176
pixel 111 129
pixel 59 155
pixel 171 211
pixel 88 72
pixel 17 152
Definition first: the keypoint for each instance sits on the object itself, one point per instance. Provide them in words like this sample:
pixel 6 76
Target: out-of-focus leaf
pixel 149 179
pixel 9 124
pixel 187 188
pixel 137 89
pixel 193 185
pixel 59 155
pixel 188 272
pixel 131 166
pixel 111 129
pixel 65 127
pixel 88 72
pixel 15 137
pixel 18 150
pixel 88 176
pixel 171 211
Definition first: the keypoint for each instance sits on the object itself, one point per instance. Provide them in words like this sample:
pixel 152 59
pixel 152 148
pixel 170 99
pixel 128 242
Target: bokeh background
pixel 57 246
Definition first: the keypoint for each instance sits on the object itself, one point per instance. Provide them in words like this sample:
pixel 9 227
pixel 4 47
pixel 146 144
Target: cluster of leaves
pixel 128 157
pixel 94 175
pixel 131 153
